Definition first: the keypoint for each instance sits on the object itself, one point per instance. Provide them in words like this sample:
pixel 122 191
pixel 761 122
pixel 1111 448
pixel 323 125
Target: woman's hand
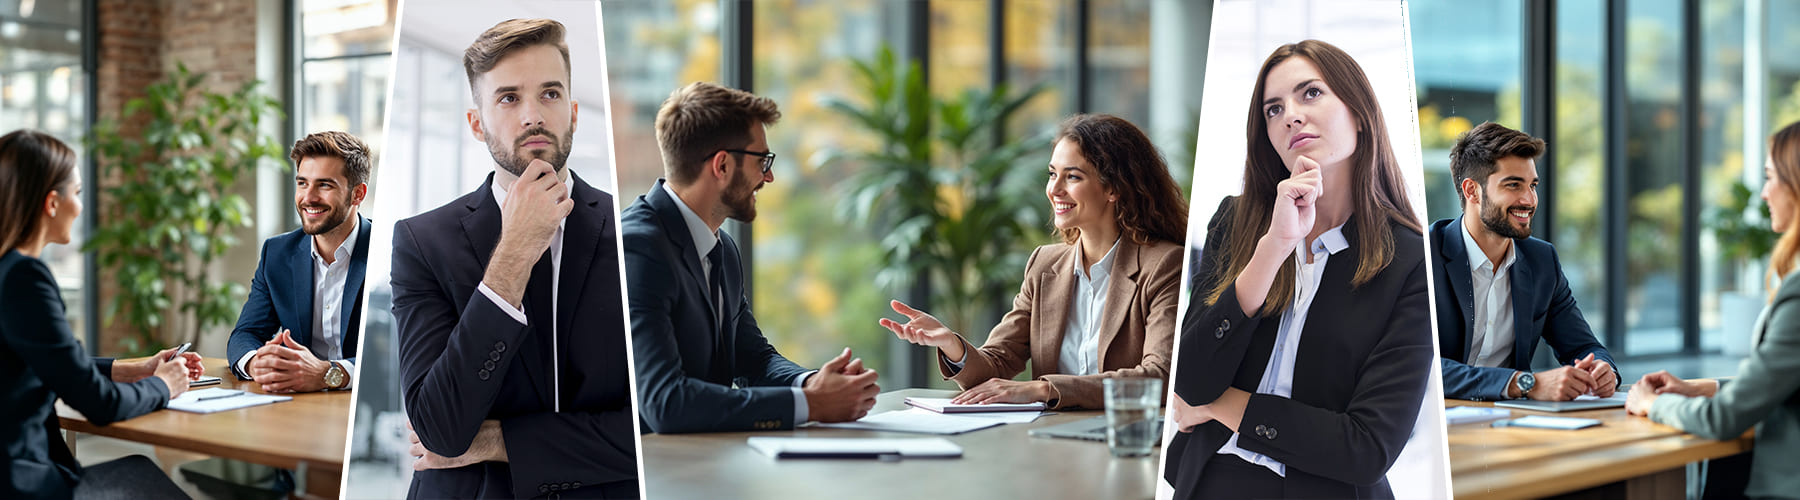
pixel 924 329
pixel 997 390
pixel 1296 200
pixel 1188 416
pixel 1640 399
pixel 174 373
pixel 1661 382
pixel 137 370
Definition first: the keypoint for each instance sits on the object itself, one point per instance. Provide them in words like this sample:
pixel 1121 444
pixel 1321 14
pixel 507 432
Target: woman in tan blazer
pixel 1101 303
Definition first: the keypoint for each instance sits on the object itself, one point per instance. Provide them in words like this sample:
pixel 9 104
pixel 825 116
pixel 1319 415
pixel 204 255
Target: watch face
pixel 334 377
pixel 1526 382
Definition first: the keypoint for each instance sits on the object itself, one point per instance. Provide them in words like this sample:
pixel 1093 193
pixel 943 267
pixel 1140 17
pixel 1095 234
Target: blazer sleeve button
pixel 487 365
pixel 1272 433
pixel 483 374
pixel 500 346
pixel 1219 333
pixel 1225 324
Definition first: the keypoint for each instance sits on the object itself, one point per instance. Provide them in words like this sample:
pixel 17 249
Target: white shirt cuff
pixel 243 363
pixel 349 370
pixel 955 366
pixel 517 313
pixel 800 414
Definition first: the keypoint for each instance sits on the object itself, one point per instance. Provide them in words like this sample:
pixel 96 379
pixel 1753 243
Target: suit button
pixel 1225 324
pixel 494 355
pixel 1271 433
pixel 487 365
pixel 577 484
pixel 1219 333
pixel 483 374
pixel 500 346
pixel 543 488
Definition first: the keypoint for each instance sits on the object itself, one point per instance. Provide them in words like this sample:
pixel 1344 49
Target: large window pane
pixel 652 48
pixel 1722 165
pixel 1039 45
pixel 43 87
pixel 1653 165
pixel 1580 148
pixel 1467 73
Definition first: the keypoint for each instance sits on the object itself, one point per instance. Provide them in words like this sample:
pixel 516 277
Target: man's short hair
pixel 703 118
pixel 338 145
pixel 507 37
pixel 1478 151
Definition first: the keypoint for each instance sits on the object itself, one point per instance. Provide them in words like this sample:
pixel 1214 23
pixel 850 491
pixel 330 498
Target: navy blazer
pixel 40 362
pixel 1542 307
pixel 464 360
pixel 1359 378
pixel 281 295
pixel 684 383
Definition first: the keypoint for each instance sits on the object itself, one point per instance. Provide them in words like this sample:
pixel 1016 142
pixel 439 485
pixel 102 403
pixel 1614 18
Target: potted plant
pixel 168 206
pixel 1741 228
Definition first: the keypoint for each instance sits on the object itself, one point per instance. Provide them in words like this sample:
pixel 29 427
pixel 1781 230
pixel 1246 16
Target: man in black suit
pixel 506 301
pixel 702 363
pixel 1499 289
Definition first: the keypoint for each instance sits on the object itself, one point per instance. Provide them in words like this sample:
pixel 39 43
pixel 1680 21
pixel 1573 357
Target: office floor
pixel 90 449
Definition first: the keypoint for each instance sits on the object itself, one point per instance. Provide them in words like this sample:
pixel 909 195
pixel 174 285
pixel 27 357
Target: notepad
pixel 218 399
pixel 943 405
pixel 1543 422
pixel 1584 402
pixel 782 447
pixel 1474 414
pixel 922 421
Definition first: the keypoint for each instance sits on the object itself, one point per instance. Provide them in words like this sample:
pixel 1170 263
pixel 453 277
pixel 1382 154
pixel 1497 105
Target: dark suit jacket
pixel 1137 329
pixel 1359 379
pixel 1542 307
pixel 40 362
pixel 684 384
pixel 464 360
pixel 281 295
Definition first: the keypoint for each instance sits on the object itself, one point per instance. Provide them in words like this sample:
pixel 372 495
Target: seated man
pixel 1499 289
pixel 702 363
pixel 297 332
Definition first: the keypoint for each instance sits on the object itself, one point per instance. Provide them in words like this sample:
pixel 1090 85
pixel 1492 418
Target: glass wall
pixel 1463 84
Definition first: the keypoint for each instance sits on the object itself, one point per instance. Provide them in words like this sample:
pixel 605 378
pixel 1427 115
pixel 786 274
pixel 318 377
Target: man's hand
pixel 1605 380
pixel 834 395
pixel 489 446
pixel 1561 384
pixel 998 390
pixel 283 365
pixel 535 204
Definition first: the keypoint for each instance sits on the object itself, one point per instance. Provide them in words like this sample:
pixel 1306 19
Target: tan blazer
pixel 1137 332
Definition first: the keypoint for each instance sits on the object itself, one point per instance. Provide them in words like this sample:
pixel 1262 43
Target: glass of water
pixel 1132 405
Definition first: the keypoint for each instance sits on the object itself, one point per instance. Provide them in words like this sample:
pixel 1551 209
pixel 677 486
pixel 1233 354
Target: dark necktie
pixel 540 312
pixel 715 294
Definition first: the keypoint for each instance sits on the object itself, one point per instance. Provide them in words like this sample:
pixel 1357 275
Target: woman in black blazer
pixel 40 361
pixel 1304 357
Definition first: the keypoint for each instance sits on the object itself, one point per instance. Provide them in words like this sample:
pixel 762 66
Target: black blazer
pixel 1360 376
pixel 281 295
pixel 684 383
pixel 40 362
pixel 1542 307
pixel 464 360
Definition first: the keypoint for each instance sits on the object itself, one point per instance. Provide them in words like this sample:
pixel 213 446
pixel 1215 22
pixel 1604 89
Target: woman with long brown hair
pixel 1100 304
pixel 1305 354
pixel 40 360
pixel 1765 394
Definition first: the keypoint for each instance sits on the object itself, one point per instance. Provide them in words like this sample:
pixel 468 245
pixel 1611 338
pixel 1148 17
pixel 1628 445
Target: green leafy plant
pixel 1741 229
pixel 958 210
pixel 168 209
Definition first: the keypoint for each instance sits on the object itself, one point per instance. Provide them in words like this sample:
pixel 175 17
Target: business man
pixel 1499 290
pixel 702 363
pixel 506 300
pixel 298 329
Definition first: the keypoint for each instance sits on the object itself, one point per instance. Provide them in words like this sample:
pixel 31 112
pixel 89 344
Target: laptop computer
pixel 1562 406
pixel 1088 429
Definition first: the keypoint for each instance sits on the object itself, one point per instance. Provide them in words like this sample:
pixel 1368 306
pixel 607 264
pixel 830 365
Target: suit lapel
pixel 1058 286
pixel 1524 337
pixel 581 239
pixel 353 286
pixel 302 288
pixel 675 226
pixel 481 227
pixel 1456 271
pixel 1121 283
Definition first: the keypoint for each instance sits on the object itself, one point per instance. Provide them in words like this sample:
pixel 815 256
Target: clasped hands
pixel 283 365
pixel 1643 393
pixel 843 390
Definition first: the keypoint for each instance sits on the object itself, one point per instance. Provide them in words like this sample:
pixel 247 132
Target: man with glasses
pixel 702 363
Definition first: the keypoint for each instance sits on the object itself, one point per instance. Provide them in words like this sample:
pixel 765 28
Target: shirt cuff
pixel 800 416
pixel 955 366
pixel 349 370
pixel 243 363
pixel 517 313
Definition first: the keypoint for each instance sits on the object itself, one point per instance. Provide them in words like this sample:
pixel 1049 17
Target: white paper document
pixel 943 405
pixel 782 447
pixel 1474 414
pixel 219 399
pixel 922 421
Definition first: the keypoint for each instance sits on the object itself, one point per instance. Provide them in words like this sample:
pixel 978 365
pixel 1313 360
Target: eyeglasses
pixel 768 158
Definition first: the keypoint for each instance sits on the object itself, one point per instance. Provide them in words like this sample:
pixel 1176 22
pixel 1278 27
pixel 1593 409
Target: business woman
pixel 1099 305
pixel 40 200
pixel 1305 353
pixel 1765 394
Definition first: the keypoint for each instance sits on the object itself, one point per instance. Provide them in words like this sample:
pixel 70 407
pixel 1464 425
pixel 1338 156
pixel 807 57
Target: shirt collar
pixel 343 249
pixel 1331 241
pixel 1101 268
pixel 704 238
pixel 1477 257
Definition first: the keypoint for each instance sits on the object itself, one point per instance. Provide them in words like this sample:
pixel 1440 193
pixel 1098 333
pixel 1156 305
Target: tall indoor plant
pixel 168 208
pixel 1742 230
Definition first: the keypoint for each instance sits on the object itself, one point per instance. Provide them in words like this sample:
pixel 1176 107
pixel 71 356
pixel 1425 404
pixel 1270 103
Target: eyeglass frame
pixel 768 157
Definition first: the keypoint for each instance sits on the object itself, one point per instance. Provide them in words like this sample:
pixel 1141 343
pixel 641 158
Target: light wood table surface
pixel 306 435
pixel 997 462
pixel 1628 456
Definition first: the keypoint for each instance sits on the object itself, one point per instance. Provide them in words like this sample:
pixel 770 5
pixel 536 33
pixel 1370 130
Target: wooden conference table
pixel 306 435
pixel 998 462
pixel 1625 457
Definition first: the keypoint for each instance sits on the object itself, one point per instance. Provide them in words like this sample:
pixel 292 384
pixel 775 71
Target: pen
pixel 210 398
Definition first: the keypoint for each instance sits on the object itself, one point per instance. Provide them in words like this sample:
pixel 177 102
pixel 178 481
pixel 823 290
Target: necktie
pixel 715 297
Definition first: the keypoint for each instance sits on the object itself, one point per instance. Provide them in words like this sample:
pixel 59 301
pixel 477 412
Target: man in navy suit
pixel 506 301
pixel 1499 290
pixel 298 329
pixel 703 365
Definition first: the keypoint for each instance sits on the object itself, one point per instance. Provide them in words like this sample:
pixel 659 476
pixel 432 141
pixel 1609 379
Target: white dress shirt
pixel 705 239
pixel 1080 350
pixel 328 283
pixel 1491 330
pixel 1278 375
pixel 518 313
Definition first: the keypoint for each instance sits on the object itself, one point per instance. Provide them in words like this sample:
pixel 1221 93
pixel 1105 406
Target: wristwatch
pixel 335 377
pixel 1525 382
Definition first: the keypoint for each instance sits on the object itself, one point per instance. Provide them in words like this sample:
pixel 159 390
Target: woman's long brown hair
pixel 1784 153
pixel 32 164
pixel 1377 188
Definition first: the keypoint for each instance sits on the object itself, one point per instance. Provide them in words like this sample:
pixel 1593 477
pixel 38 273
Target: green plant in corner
pixel 958 210
pixel 168 209
pixel 1742 233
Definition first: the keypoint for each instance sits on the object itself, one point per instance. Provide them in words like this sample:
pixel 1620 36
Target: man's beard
pixel 1500 221
pixel 334 216
pixel 508 157
pixel 740 198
